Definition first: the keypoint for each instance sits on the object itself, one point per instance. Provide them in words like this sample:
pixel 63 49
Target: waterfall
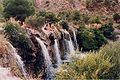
pixel 71 47
pixel 6 75
pixel 19 61
pixel 57 52
pixel 45 52
pixel 75 39
pixel 49 70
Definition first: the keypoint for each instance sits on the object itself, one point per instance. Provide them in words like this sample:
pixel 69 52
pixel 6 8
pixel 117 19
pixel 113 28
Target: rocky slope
pixel 80 5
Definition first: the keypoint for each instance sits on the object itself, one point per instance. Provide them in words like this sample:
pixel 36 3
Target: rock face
pixel 59 5
pixel 6 58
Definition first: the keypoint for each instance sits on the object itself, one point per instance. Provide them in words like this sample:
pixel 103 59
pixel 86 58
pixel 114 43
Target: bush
pixel 20 9
pixel 107 30
pixel 64 15
pixel 90 39
pixel 16 35
pixel 64 24
pixel 112 50
pixel 104 64
pixel 75 15
pixel 92 66
pixel 35 21
pixel 49 16
pixel 96 20
pixel 116 17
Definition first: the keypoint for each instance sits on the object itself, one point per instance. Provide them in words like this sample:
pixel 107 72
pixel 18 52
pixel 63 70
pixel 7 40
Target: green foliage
pixel 104 64
pixel 75 15
pixel 92 66
pixel 20 9
pixel 64 16
pixel 16 35
pixel 112 50
pixel 90 39
pixel 35 21
pixel 116 17
pixel 64 24
pixel 49 16
pixel 96 20
pixel 107 30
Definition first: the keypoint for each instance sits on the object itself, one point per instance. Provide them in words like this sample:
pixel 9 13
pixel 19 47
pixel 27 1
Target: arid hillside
pixel 96 6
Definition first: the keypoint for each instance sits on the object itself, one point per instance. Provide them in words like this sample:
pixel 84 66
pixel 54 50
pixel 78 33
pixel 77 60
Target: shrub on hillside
pixel 116 17
pixel 104 64
pixel 64 24
pixel 91 67
pixel 64 15
pixel 20 9
pixel 90 39
pixel 107 30
pixel 112 50
pixel 16 35
pixel 35 21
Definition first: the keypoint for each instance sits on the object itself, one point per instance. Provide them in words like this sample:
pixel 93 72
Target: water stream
pixel 57 52
pixel 18 60
pixel 49 67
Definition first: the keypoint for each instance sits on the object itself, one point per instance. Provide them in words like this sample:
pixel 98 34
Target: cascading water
pixel 6 75
pixel 57 52
pixel 75 39
pixel 49 69
pixel 71 47
pixel 19 61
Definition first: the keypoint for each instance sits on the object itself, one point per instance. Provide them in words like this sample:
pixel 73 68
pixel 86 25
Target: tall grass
pixel 104 64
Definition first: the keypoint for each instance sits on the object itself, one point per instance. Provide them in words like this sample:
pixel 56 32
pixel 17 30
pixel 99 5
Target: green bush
pixel 20 9
pixel 112 50
pixel 64 15
pixel 90 39
pixel 116 17
pixel 16 35
pixel 75 16
pixel 96 20
pixel 64 24
pixel 35 21
pixel 92 66
pixel 107 30
pixel 104 64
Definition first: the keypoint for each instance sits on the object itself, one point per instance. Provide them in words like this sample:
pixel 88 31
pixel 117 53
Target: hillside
pixel 80 5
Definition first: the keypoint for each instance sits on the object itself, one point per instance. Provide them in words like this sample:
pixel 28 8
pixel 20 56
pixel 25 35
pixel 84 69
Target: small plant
pixel 64 24
pixel 107 30
pixel 116 17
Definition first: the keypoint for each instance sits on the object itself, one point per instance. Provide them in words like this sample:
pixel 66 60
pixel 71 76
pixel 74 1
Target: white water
pixel 71 47
pixel 6 75
pixel 57 52
pixel 45 52
pixel 19 61
pixel 49 69
pixel 75 39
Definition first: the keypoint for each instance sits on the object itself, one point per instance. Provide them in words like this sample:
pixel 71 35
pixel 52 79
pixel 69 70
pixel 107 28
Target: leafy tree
pixel 107 30
pixel 90 39
pixel 64 24
pixel 116 17
pixel 20 9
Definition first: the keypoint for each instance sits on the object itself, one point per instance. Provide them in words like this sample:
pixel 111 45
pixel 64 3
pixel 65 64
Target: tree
pixel 20 9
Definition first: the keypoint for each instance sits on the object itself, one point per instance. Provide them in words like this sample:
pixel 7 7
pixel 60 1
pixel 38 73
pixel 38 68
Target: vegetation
pixel 20 9
pixel 107 30
pixel 64 24
pixel 104 64
pixel 116 17
pixel 90 39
